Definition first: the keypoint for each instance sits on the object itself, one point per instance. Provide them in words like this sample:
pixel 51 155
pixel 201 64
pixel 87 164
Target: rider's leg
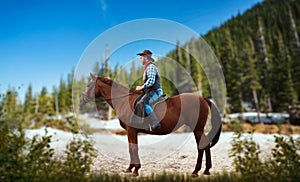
pixel 138 115
pixel 154 121
pixel 142 107
pixel 155 95
pixel 148 109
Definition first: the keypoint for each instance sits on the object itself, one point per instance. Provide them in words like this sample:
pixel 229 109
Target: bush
pixel 245 153
pixel 80 155
pixel 33 160
pixel 284 165
pixel 285 162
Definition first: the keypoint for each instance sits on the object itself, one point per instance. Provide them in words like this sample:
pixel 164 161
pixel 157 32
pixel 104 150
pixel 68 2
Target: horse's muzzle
pixel 83 99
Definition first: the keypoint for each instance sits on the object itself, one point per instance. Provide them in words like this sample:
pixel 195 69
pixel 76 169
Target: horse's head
pixel 89 94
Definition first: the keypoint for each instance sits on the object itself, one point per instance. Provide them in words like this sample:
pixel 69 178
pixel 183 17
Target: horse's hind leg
pixel 197 135
pixel 208 160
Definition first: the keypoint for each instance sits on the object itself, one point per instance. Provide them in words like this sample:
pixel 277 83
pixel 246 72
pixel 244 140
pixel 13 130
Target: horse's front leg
pixel 133 151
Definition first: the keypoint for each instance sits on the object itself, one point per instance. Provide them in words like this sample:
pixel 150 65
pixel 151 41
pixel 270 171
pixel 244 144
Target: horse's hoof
pixel 126 171
pixel 194 175
pixel 206 172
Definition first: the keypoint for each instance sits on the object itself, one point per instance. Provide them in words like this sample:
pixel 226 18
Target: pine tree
pixel 11 105
pixel 195 67
pixel 77 88
pixel 29 102
pixel 10 101
pixel 134 78
pixel 181 80
pixel 229 60
pixel 45 103
pixel 96 68
pixel 283 91
pixel 251 76
pixel 165 66
pixel 273 27
pixel 62 95
pixel 69 103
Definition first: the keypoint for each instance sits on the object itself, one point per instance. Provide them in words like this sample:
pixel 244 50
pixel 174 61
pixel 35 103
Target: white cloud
pixel 103 5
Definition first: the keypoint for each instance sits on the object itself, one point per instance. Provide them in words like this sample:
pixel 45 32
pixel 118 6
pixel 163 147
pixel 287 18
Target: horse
pixel 178 110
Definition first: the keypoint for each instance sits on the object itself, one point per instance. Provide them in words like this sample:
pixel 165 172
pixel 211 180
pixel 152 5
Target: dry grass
pixel 246 128
pixel 264 128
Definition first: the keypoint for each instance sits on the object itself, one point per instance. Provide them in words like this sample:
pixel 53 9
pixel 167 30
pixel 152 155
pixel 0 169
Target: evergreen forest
pixel 259 52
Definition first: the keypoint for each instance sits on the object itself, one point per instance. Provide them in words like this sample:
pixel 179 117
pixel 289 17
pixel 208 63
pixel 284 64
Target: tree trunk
pixel 36 105
pixel 270 109
pixel 56 106
pixel 263 43
pixel 294 28
pixel 200 86
pixel 107 74
pixel 188 66
pixel 241 103
pixel 257 105
pixel 266 60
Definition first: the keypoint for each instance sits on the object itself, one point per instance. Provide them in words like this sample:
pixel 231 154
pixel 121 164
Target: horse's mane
pixel 106 80
pixel 111 83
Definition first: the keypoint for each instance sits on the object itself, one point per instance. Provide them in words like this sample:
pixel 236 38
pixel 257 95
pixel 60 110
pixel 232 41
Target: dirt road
pixel 170 153
pixel 175 152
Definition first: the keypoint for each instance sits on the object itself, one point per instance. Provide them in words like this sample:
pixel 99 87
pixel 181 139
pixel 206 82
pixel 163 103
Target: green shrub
pixel 245 153
pixel 12 161
pixel 22 159
pixel 285 162
pixel 235 125
pixel 284 165
pixel 80 155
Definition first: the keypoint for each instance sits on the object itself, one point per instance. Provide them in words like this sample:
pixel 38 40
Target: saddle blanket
pixel 161 99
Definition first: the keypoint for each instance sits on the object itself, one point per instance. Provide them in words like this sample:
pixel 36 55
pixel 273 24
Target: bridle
pixel 86 97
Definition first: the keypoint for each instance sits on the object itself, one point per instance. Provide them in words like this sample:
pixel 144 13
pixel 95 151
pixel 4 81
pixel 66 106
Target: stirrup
pixel 157 126
pixel 150 128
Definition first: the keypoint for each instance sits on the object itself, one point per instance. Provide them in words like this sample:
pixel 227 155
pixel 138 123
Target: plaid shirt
pixel 150 74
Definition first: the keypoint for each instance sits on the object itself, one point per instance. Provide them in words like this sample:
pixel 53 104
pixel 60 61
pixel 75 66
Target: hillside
pixel 259 52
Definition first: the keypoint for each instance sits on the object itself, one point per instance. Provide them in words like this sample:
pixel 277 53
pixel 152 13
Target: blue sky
pixel 42 40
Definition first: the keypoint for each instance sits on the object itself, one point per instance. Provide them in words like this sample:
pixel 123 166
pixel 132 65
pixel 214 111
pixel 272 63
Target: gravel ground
pixel 175 152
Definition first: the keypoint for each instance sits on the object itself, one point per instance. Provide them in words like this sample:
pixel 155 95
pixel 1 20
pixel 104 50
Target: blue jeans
pixel 154 96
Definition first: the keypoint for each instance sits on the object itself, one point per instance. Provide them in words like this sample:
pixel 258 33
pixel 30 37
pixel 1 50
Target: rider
pixel 151 87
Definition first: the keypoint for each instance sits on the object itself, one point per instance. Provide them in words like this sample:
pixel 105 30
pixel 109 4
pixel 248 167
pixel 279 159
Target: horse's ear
pixel 92 76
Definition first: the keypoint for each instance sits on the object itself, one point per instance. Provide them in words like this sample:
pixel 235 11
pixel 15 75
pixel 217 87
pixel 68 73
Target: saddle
pixel 159 100
pixel 138 118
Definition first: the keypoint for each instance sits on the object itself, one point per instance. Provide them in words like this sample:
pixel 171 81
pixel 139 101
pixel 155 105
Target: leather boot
pixel 154 122
pixel 137 118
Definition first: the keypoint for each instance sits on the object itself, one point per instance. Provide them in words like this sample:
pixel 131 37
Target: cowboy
pixel 151 88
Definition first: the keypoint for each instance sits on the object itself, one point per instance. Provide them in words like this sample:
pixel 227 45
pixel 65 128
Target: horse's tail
pixel 214 133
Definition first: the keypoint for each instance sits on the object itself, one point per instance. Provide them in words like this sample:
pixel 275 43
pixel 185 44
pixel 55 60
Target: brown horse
pixel 177 110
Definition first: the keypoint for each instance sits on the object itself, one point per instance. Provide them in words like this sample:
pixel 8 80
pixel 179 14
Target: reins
pixel 97 100
pixel 122 96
